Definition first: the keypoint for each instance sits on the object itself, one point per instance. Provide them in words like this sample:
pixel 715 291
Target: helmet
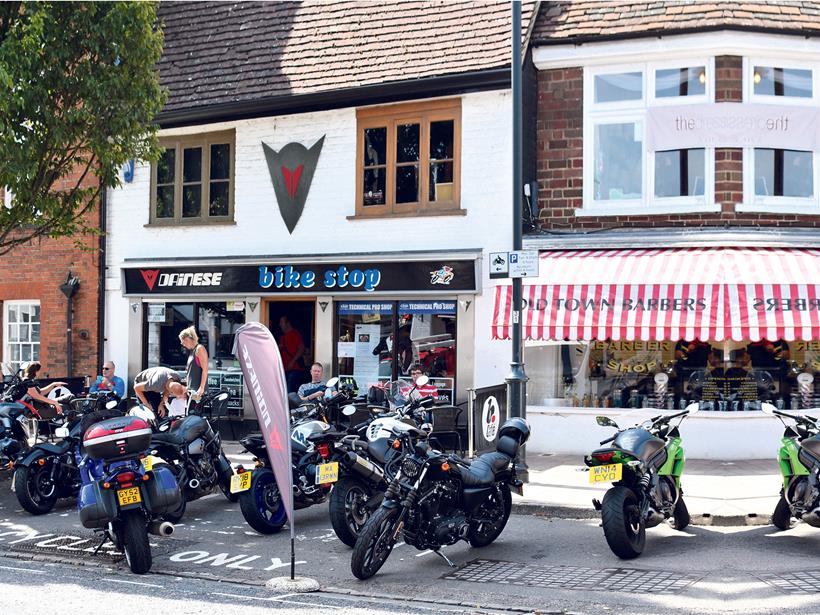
pixel 517 428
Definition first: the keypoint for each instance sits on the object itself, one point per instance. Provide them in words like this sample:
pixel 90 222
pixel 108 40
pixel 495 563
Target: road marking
pixel 32 570
pixel 278 599
pixel 136 583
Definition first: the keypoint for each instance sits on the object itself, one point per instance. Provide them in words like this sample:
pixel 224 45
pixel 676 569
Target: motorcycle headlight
pixel 409 468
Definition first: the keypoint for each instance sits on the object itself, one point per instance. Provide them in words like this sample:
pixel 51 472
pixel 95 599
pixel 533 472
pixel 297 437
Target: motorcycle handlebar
pixel 607 440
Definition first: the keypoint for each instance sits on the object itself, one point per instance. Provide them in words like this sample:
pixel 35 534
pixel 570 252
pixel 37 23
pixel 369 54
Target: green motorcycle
pixel 645 464
pixel 799 461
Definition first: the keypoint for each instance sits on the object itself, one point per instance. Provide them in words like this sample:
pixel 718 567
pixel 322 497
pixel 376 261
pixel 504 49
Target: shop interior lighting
pixel 757 77
pixel 702 77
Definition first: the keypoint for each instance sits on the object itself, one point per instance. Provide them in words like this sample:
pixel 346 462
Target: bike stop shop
pixel 366 321
pixel 616 331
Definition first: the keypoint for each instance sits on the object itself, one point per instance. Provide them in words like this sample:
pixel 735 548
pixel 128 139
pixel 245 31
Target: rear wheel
pixel 375 543
pixel 492 517
pixel 262 504
pixel 624 530
pixel 34 488
pixel 135 541
pixel 348 514
pixel 782 516
pixel 680 516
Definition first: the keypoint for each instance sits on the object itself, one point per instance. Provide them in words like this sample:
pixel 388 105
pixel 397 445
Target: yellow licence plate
pixel 327 473
pixel 129 496
pixel 240 482
pixel 606 474
pixel 148 463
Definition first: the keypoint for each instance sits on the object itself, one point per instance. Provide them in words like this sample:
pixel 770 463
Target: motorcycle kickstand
pixel 445 558
pixel 106 538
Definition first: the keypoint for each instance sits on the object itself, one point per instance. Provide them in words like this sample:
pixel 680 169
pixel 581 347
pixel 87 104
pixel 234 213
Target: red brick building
pixel 33 316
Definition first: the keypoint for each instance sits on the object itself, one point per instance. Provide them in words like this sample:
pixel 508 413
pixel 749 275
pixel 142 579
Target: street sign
pixel 499 265
pixel 523 264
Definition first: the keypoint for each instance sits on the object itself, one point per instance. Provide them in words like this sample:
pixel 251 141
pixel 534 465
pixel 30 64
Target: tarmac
pixel 725 493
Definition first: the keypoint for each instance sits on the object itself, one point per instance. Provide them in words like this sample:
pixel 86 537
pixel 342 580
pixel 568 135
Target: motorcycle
pixel 645 464
pixel 192 450
pixel 438 499
pixel 49 471
pixel 799 461
pixel 14 437
pixel 120 496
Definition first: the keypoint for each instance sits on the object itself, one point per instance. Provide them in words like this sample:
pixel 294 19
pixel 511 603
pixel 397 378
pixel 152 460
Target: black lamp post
pixel 69 288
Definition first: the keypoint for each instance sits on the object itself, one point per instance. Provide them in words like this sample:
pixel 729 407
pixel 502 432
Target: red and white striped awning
pixel 668 294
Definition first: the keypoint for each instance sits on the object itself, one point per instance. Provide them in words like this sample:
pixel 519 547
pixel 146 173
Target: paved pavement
pixel 716 492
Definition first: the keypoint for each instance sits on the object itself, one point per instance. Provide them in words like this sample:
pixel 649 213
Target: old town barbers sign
pixel 733 125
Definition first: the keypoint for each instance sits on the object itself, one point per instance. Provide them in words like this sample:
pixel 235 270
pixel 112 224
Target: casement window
pixel 193 180
pixel 780 180
pixel 621 176
pixel 408 159
pixel 21 332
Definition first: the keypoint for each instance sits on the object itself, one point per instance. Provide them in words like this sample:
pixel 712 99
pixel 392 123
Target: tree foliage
pixel 80 91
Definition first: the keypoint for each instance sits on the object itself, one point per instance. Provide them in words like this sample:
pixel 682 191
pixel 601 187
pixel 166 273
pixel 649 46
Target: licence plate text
pixel 606 474
pixel 240 482
pixel 327 473
pixel 129 496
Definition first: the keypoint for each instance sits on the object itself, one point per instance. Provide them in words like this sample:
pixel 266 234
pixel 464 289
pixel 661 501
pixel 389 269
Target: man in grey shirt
pixel 153 386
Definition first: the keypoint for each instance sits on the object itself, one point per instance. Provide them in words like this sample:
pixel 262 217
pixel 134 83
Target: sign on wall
pixel 291 171
pixel 732 125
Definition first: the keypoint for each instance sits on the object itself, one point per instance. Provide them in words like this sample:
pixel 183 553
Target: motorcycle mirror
pixel 422 380
pixel 111 404
pixel 332 382
pixel 605 421
pixel 767 408
pixel 61 432
pixel 349 410
pixel 222 396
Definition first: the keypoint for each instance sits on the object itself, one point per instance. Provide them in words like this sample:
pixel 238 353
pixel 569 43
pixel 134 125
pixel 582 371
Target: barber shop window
pixel 408 159
pixel 622 176
pixel 192 182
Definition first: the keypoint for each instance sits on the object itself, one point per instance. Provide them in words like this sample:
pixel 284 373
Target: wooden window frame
pixel 179 144
pixel 390 117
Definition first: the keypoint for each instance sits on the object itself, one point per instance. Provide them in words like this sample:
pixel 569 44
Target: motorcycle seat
pixel 482 471
pixel 639 443
pixel 169 437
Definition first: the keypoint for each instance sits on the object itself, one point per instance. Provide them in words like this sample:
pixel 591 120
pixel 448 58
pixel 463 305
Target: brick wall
pixel 560 162
pixel 35 271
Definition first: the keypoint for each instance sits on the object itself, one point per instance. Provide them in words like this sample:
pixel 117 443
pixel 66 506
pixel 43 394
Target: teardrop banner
pixel 264 373
pixel 291 171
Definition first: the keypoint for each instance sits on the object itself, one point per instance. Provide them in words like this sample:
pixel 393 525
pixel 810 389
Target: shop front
pixel 631 332
pixel 368 321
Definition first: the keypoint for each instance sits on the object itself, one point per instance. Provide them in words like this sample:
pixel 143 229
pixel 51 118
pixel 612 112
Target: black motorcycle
pixel 49 471
pixel 192 450
pixel 14 438
pixel 438 499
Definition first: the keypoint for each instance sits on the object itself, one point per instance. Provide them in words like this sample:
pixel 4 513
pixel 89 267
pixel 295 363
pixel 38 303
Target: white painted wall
pixel 324 229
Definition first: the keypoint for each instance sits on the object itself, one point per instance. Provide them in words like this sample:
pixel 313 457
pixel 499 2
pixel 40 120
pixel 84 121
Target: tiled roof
pixel 224 52
pixel 559 22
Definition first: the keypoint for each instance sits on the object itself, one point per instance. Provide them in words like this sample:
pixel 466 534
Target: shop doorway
pixel 302 318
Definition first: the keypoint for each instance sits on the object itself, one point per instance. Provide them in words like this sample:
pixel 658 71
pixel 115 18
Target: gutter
pixel 474 81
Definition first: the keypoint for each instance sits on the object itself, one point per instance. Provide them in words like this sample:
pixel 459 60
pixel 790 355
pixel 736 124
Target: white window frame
pixel 636 110
pixel 6 324
pixel 753 203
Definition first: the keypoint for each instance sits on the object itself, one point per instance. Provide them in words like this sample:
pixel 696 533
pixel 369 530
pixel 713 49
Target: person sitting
pixel 426 390
pixel 316 387
pixel 108 381
pixel 36 393
pixel 154 385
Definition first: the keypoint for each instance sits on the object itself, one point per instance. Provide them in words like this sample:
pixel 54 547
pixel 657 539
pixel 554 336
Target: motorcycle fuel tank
pixel 301 433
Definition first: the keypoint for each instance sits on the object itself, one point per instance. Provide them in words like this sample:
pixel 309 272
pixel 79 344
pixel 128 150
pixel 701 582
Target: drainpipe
pixel 69 288
pixel 101 279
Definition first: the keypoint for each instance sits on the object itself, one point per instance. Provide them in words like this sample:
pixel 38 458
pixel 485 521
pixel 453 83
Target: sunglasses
pixel 106 369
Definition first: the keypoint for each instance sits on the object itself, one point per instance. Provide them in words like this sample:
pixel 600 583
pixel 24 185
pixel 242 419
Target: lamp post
pixel 517 378
pixel 69 288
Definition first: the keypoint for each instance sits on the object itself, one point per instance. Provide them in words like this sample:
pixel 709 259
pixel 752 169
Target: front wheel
pixel 493 515
pixel 135 542
pixel 375 543
pixel 34 488
pixel 782 516
pixel 262 504
pixel 624 529
pixel 348 513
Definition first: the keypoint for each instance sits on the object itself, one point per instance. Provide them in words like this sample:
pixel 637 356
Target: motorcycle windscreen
pixel 264 373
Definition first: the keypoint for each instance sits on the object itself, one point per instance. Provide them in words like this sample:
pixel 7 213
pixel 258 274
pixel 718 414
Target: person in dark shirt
pixel 692 355
pixel 771 356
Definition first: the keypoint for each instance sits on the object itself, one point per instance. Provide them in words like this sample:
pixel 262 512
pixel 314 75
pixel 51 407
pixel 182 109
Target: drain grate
pixel 806 582
pixel 574 577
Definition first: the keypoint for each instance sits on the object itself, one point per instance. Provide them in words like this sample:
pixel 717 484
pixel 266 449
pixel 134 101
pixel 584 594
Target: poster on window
pixel 366 363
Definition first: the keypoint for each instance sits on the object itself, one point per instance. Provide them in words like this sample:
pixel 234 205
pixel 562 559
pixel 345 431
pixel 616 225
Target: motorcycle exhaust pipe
pixel 812 518
pixel 161 528
pixel 193 483
pixel 364 467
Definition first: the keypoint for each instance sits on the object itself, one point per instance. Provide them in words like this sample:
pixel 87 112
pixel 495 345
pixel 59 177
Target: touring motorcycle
pixel 438 499
pixel 645 464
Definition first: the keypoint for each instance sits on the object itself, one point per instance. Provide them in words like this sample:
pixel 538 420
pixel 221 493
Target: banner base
pixel 299 585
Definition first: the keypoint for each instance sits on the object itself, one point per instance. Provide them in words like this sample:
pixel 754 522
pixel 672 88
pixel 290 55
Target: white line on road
pixel 135 583
pixel 277 599
pixel 23 569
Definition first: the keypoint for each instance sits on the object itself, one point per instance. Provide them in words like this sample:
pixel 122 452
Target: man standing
pixel 316 387
pixel 292 349
pixel 108 381
pixel 154 385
